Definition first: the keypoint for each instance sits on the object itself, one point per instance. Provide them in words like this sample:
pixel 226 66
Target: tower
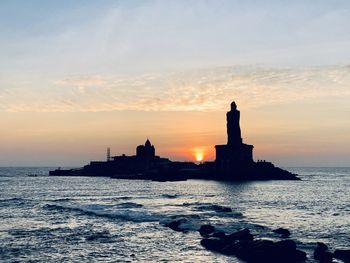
pixel 108 154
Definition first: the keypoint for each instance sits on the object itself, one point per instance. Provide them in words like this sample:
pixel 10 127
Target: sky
pixel 79 76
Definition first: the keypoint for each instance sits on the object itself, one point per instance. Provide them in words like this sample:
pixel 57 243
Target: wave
pixel 171 196
pixel 209 207
pixel 121 198
pixel 121 211
pixel 62 200
pixel 129 205
pixel 13 201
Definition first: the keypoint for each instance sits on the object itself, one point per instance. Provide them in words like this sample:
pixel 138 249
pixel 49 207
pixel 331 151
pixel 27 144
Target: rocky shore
pixel 249 248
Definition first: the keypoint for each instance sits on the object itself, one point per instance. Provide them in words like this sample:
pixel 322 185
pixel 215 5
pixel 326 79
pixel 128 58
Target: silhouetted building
pixel 235 152
pixel 234 161
pixel 146 151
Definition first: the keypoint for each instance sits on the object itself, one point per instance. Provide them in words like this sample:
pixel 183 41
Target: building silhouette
pixel 235 153
pixel 234 161
pixel 146 151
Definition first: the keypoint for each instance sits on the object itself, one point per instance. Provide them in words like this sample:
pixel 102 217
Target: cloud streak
pixel 200 90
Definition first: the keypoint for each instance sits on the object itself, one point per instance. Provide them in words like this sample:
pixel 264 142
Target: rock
pixel 206 230
pixel 299 256
pixel 269 251
pixel 230 249
pixel 174 225
pixel 250 251
pixel 214 244
pixel 286 245
pixel 283 232
pixel 321 254
pixel 322 246
pixel 342 254
pixel 219 234
pixel 242 235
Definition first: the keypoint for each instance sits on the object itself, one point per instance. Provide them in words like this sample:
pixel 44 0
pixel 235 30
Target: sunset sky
pixel 77 77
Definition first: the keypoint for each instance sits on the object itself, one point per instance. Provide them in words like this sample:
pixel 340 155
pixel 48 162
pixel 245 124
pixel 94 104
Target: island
pixel 234 162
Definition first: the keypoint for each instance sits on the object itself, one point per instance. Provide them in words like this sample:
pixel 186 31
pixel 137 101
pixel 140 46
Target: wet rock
pixel 242 235
pixel 283 232
pixel 269 251
pixel 214 244
pixel 251 250
pixel 286 245
pixel 342 254
pixel 206 230
pixel 222 209
pixel 322 254
pixel 242 245
pixel 230 249
pixel 175 225
pixel 219 234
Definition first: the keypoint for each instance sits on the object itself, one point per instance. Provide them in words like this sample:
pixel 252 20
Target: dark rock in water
pixel 250 250
pixel 321 254
pixel 321 246
pixel 342 254
pixel 283 232
pixel 175 225
pixel 206 230
pixel 222 209
pixel 219 234
pixel 299 256
pixel 231 248
pixel 286 245
pixel 242 235
pixel 268 251
pixel 242 245
pixel 213 244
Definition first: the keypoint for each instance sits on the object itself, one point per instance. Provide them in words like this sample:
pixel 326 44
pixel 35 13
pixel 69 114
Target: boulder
pixel 242 235
pixel 322 254
pixel 250 251
pixel 230 249
pixel 213 244
pixel 286 245
pixel 206 230
pixel 175 225
pixel 283 232
pixel 269 251
pixel 342 254
pixel 219 234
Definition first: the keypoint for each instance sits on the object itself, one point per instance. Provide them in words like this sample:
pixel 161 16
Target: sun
pixel 199 155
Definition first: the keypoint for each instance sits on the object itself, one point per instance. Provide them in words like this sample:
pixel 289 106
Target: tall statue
pixel 233 129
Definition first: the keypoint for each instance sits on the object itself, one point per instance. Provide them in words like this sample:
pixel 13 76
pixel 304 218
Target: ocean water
pixel 89 219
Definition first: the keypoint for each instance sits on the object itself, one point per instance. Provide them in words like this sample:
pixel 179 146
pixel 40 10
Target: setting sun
pixel 199 155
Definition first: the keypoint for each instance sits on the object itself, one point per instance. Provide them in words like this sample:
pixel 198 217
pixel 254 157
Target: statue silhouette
pixel 233 128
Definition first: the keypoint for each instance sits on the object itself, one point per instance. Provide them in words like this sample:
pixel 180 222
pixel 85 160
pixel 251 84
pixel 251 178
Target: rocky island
pixel 234 161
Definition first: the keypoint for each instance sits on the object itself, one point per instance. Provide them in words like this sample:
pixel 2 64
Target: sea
pixel 99 219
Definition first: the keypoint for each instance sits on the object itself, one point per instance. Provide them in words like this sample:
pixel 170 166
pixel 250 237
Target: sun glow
pixel 199 155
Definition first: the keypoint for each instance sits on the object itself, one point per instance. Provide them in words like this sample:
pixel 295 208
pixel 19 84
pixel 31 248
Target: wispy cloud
pixel 204 90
